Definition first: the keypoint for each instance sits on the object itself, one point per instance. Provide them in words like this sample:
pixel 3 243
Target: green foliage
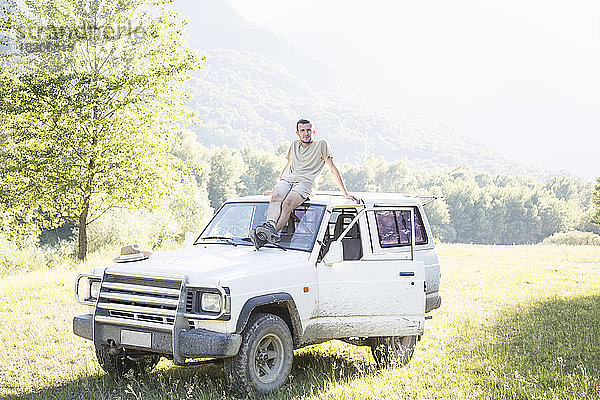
pixel 194 156
pixel 596 200
pixel 226 168
pixel 570 188
pixel 478 207
pixel 15 258
pixel 26 255
pixel 262 171
pixel 18 224
pixel 88 110
pixel 573 238
pixel 156 228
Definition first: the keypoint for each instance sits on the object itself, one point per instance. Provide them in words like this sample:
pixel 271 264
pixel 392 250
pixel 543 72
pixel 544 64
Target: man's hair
pixel 304 121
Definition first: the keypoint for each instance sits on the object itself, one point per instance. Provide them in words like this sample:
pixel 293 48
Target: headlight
pixel 87 289
pixel 95 289
pixel 211 302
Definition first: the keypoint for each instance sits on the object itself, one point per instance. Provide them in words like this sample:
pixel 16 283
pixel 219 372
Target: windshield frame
pixel 322 207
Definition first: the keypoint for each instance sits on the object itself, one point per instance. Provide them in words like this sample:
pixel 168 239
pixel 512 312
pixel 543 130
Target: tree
pixel 262 170
pixel 226 168
pixel 596 202
pixel 88 104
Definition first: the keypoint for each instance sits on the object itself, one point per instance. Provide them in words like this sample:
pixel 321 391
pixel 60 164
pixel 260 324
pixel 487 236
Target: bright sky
pixel 523 76
pixel 260 11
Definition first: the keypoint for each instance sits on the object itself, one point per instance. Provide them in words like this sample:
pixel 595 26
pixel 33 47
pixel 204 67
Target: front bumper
pixel 195 343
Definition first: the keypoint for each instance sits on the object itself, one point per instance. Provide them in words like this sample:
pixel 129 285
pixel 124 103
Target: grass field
pixel 518 322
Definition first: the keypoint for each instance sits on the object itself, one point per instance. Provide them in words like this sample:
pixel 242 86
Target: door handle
pixel 409 273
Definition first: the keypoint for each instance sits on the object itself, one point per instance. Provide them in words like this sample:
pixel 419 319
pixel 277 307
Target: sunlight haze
pixel 519 76
pixel 259 11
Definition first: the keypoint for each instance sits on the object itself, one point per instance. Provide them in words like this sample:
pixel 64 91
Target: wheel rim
pixel 268 358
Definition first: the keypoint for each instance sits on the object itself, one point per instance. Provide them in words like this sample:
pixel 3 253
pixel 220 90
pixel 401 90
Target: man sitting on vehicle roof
pixel 306 158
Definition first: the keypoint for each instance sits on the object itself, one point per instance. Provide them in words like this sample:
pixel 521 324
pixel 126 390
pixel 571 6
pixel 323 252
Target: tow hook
pixel 113 349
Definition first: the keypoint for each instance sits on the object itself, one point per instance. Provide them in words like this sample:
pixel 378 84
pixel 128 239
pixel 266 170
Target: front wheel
pixel 393 351
pixel 118 362
pixel 264 360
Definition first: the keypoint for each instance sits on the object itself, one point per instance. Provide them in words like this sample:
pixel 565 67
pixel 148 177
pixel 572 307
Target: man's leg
pixel 266 232
pixel 280 192
pixel 289 204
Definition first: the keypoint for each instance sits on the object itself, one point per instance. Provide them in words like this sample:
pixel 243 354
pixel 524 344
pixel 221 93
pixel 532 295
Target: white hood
pixel 210 264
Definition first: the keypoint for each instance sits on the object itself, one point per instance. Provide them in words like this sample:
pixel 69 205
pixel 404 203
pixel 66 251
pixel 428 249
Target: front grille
pixel 189 301
pixel 138 301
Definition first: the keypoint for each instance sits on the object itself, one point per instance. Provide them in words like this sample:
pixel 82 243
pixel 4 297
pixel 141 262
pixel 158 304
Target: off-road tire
pixel 393 351
pixel 264 360
pixel 118 363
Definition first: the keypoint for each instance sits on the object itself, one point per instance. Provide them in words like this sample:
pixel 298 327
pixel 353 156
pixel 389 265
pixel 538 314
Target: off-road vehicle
pixel 364 273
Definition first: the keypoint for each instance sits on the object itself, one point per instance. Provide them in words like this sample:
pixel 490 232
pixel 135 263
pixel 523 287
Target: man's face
pixel 305 133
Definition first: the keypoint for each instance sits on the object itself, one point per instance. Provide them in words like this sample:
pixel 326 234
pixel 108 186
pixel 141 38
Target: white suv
pixel 365 273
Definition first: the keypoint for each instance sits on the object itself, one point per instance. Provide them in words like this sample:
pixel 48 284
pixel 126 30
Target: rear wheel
pixel 393 351
pixel 264 360
pixel 118 362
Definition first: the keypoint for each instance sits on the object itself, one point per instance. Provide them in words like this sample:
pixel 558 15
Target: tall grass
pixel 516 322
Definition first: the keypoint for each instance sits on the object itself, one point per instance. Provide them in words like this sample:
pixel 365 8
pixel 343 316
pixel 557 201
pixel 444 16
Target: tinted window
pixel 394 228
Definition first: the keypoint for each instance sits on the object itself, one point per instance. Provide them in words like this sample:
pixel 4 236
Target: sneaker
pixel 267 233
pixel 258 243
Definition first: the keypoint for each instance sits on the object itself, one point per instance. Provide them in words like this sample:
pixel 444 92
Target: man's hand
pixel 349 196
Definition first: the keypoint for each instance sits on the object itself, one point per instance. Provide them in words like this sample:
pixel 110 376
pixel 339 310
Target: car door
pixel 376 295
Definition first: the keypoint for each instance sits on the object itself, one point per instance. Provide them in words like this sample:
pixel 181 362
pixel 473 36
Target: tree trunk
pixel 82 253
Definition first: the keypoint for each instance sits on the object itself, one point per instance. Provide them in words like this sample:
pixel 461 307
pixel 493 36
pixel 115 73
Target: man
pixel 306 158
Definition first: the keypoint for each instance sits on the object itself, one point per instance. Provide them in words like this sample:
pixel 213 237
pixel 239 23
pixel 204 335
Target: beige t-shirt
pixel 306 161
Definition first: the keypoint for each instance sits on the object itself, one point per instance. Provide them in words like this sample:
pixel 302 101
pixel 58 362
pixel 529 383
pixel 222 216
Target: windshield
pixel 234 220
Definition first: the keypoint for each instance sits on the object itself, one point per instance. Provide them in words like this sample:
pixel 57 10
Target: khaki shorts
pixel 303 188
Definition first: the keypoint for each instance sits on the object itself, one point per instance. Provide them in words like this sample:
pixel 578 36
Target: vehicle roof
pixel 336 199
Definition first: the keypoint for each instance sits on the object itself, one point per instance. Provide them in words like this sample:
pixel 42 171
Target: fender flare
pixel 276 299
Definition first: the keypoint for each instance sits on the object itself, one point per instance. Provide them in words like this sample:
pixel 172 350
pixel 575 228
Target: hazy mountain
pixel 215 24
pixel 255 87
pixel 516 75
pixel 246 99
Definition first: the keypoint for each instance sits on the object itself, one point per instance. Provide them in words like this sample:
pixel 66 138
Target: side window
pixel 393 228
pixel 420 233
pixel 338 222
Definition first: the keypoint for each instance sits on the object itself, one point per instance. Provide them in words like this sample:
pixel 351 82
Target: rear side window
pixel 394 228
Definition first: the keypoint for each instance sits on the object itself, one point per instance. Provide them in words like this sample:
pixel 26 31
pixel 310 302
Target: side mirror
pixel 190 238
pixel 335 253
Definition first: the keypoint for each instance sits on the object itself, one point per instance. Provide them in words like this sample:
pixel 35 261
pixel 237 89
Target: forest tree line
pixel 93 151
pixel 463 205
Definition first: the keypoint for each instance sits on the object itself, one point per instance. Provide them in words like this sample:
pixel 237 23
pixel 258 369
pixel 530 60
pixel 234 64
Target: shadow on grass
pixel 311 373
pixel 549 350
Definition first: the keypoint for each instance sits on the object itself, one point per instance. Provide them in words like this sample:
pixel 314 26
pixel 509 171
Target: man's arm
pixel 338 179
pixel 285 169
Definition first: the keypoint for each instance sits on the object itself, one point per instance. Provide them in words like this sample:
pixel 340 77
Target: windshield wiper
pixel 247 239
pixel 228 240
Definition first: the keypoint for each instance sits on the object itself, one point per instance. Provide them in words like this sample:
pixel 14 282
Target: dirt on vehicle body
pixel 365 273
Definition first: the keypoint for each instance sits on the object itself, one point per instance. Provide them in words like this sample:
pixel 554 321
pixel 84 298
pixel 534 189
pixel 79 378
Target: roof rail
pixel 328 193
pixel 339 194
